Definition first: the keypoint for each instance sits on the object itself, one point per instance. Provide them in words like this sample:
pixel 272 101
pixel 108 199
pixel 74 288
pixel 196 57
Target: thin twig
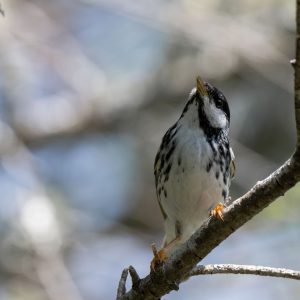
pixel 2 11
pixel 134 277
pixel 245 269
pixel 122 284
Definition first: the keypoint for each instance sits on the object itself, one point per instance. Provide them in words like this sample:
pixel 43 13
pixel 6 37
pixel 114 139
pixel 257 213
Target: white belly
pixel 192 188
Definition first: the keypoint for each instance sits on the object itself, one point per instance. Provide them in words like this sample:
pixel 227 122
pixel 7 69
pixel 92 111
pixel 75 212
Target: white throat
pixel 215 116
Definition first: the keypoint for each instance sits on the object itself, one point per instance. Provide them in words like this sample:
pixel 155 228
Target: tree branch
pixel 245 269
pixel 122 284
pixel 213 231
pixel 1 10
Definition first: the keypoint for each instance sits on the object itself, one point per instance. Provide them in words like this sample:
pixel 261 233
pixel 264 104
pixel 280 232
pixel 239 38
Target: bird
pixel 193 167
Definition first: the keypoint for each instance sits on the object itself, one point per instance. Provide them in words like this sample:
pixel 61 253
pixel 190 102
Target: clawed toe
pixel 217 211
pixel 159 257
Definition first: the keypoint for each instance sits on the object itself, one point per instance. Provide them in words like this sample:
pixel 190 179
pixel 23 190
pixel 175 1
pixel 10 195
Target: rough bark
pixel 245 269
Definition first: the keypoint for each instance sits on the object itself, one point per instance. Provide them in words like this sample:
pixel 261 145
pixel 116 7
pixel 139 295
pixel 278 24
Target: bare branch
pixel 245 269
pixel 122 284
pixel 213 231
pixel 134 277
pixel 2 11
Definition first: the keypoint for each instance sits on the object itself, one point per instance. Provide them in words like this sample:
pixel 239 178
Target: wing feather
pixel 232 163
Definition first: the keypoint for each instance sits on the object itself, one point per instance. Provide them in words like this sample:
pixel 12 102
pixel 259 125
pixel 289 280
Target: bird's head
pixel 208 106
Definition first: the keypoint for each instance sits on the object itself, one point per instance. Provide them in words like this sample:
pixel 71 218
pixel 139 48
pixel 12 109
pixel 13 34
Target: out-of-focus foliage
pixel 87 89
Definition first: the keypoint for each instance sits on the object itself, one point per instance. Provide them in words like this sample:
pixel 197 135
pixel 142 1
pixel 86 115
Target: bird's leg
pixel 161 256
pixel 227 201
pixel 217 211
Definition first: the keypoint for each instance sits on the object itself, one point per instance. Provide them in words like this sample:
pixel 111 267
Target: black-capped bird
pixel 194 166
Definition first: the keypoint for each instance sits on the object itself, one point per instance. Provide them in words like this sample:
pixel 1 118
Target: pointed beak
pixel 201 88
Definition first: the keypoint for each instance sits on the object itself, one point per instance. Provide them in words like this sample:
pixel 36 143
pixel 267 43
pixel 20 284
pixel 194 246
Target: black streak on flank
pixel 159 191
pixel 167 171
pixel 179 161
pixel 175 129
pixel 217 174
pixel 221 162
pixel 221 151
pixel 178 229
pixel 208 166
pixel 157 157
pixel 224 194
pixel 162 161
pixel 168 136
pixel 171 151
pixel 165 193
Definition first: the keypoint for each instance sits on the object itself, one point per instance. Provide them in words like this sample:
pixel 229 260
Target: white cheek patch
pixel 215 116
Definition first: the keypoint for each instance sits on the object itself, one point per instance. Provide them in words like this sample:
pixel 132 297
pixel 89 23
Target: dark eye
pixel 218 102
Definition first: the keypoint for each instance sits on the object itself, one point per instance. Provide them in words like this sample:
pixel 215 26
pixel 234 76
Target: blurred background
pixel 87 90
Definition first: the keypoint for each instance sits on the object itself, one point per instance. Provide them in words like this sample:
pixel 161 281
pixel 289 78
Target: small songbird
pixel 194 166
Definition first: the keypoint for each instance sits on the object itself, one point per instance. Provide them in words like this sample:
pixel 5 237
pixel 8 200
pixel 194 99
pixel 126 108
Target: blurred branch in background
pixel 240 269
pixel 2 11
pixel 84 107
pixel 38 222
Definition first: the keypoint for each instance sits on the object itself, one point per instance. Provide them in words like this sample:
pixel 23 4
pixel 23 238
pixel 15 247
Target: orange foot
pixel 159 257
pixel 217 211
